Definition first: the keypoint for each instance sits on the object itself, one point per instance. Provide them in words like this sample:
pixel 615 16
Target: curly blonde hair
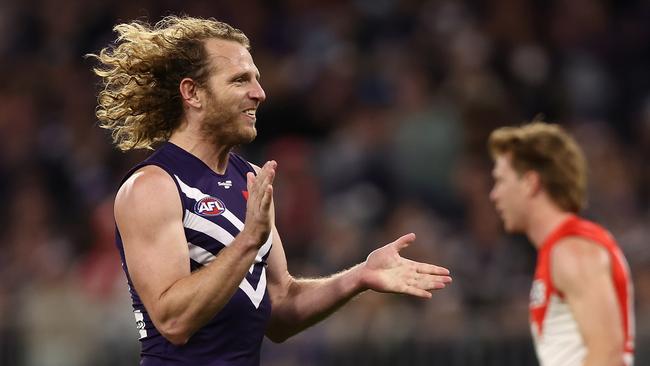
pixel 549 150
pixel 141 72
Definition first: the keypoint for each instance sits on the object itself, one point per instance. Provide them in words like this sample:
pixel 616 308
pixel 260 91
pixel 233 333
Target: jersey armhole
pixel 551 282
pixel 585 237
pixel 245 162
pixel 163 167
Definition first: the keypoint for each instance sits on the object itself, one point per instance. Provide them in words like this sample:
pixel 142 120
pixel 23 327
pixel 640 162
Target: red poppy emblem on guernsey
pixel 245 193
pixel 209 206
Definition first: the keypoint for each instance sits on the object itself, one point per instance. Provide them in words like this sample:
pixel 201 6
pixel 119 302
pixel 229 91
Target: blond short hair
pixel 550 151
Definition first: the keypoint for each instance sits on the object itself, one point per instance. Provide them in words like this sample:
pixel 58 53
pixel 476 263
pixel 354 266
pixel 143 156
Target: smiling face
pixel 232 94
pixel 510 195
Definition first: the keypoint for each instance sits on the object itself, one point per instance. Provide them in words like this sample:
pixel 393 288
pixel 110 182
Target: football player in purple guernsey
pixel 195 222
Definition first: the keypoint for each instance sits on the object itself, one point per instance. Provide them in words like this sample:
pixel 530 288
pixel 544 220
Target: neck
pixel 213 155
pixel 543 220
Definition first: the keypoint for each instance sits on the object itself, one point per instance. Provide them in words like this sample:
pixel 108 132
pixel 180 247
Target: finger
pixel 273 165
pixel 432 282
pixel 435 278
pixel 403 241
pixel 431 269
pixel 440 282
pixel 267 198
pixel 250 178
pixel 268 166
pixel 414 291
pixel 269 174
pixel 257 180
pixel 266 190
pixel 268 169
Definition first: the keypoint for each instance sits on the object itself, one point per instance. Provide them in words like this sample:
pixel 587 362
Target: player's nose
pixel 257 92
pixel 493 196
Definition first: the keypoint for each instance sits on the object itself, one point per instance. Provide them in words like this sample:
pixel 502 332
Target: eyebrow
pixel 245 74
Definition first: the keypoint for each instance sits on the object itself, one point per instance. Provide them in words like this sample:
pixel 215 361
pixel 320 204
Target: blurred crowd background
pixel 377 113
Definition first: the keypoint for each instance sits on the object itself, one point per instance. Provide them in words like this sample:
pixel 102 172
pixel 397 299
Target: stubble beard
pixel 224 127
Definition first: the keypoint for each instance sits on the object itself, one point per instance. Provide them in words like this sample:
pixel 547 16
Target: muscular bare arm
pixel 581 270
pixel 148 213
pixel 300 303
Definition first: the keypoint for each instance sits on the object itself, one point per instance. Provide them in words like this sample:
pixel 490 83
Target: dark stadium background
pixel 377 113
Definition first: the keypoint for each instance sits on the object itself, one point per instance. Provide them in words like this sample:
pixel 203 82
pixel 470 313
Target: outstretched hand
pixel 386 271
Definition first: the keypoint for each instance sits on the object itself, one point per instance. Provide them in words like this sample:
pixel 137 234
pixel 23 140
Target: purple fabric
pixel 234 336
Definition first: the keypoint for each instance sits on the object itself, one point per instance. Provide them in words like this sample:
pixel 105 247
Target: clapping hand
pixel 259 220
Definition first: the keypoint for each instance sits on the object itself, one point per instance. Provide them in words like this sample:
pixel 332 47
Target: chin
pixel 251 135
pixel 246 138
pixel 511 228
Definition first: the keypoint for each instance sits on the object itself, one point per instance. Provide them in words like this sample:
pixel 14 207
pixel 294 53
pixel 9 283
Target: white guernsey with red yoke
pixel 558 341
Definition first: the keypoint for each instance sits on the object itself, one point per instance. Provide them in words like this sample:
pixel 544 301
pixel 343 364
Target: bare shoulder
pixel 149 188
pixel 576 260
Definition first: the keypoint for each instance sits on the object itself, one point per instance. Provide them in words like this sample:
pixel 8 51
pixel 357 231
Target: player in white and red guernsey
pixel 581 301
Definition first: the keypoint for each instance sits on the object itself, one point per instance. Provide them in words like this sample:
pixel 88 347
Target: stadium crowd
pixel 377 113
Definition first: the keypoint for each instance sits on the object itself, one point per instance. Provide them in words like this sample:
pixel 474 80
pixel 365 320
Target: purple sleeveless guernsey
pixel 214 210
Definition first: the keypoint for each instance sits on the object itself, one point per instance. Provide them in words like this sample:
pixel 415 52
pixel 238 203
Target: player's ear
pixel 533 182
pixel 189 90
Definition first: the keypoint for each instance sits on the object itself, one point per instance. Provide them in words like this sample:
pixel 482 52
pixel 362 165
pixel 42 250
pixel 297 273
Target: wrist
pixel 248 240
pixel 356 279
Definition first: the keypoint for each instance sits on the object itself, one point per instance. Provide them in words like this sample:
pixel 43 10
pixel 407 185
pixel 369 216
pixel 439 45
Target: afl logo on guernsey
pixel 209 206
